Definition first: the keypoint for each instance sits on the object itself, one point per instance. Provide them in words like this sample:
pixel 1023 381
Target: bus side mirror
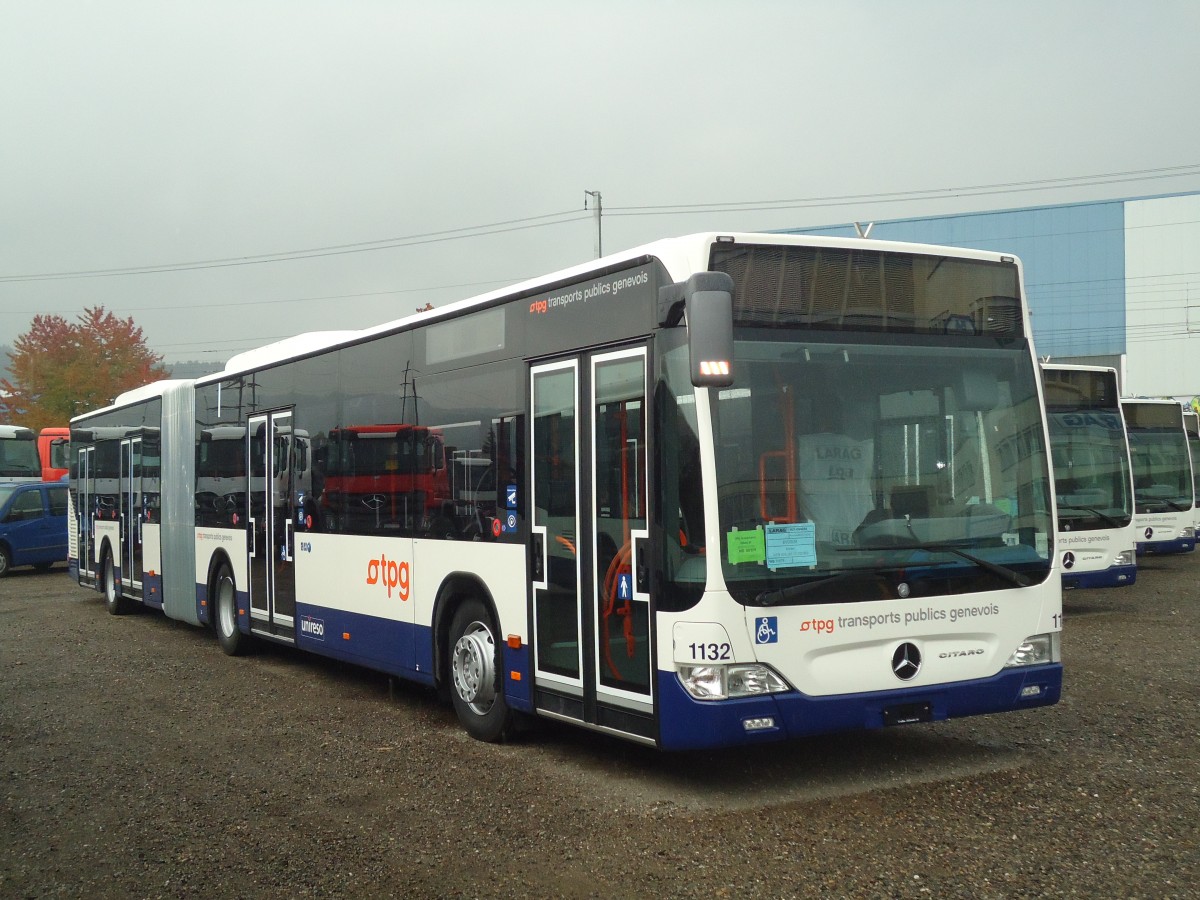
pixel 706 302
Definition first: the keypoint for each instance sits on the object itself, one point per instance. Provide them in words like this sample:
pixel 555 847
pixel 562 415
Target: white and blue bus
pixel 1191 425
pixel 1163 496
pixel 1093 481
pixel 722 489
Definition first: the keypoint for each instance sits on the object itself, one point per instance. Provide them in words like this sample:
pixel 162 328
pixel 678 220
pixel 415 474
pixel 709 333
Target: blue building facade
pixel 1074 258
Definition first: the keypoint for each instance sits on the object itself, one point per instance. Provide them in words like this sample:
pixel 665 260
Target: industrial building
pixel 1112 282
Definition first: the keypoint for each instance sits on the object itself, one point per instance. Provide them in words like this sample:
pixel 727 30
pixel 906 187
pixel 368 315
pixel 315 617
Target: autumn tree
pixel 61 369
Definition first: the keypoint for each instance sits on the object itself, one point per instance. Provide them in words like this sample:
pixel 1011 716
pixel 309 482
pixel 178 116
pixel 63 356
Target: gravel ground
pixel 136 760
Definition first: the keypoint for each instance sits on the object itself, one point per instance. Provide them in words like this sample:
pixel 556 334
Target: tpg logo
pixel 394 575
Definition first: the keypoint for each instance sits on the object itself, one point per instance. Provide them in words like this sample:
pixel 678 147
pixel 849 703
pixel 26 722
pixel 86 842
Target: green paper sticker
pixel 746 546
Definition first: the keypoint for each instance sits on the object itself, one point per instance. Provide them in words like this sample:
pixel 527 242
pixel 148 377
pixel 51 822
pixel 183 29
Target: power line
pixel 244 303
pixel 567 216
pixel 431 237
pixel 902 196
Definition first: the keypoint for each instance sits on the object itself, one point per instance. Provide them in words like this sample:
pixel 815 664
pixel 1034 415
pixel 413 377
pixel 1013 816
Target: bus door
pixel 269 443
pixel 131 513
pixel 589 553
pixel 85 509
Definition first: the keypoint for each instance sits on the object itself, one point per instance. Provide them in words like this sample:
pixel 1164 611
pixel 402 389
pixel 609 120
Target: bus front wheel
pixel 475 674
pixel 229 636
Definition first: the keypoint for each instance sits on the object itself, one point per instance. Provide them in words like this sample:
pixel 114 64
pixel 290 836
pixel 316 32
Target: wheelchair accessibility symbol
pixel 766 630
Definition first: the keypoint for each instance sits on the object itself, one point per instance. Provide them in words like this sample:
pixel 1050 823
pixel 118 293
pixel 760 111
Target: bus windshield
pixel 849 468
pixel 1091 469
pixel 1161 469
pixel 1191 424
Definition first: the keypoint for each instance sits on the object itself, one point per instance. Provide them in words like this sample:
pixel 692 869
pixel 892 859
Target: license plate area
pixel 908 714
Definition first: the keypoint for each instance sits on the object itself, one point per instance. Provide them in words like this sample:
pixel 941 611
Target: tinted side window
pixel 58 501
pixel 26 505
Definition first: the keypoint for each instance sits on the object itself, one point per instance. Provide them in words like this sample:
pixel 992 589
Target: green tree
pixel 60 368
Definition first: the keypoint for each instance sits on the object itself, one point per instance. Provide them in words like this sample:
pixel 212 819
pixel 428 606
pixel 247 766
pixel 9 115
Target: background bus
pixel 19 454
pixel 1093 482
pixel 727 489
pixel 1162 474
pixel 1191 425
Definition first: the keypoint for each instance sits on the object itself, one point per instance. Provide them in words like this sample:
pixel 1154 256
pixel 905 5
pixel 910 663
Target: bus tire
pixel 225 618
pixel 475 683
pixel 113 601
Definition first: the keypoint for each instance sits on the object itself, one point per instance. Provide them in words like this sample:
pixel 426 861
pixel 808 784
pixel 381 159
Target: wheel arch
pixel 216 561
pixel 103 549
pixel 453 591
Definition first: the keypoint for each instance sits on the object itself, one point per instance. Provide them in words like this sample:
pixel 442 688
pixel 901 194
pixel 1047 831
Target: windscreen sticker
pixel 746 546
pixel 791 545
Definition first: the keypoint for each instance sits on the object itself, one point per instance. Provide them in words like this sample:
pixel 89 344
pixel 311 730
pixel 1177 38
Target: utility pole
pixel 596 208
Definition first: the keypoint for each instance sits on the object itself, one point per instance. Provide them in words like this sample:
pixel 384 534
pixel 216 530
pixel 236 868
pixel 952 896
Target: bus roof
pixel 297 345
pixel 148 391
pixel 681 256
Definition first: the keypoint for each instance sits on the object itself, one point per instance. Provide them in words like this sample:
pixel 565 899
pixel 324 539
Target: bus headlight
pixel 1188 531
pixel 1124 558
pixel 726 682
pixel 1036 650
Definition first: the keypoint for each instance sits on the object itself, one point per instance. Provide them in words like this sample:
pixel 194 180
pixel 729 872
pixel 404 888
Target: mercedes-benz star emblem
pixel 1068 559
pixel 906 662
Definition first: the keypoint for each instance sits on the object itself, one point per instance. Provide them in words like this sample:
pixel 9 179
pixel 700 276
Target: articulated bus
pixel 1093 481
pixel 1163 496
pixel 19 454
pixel 712 491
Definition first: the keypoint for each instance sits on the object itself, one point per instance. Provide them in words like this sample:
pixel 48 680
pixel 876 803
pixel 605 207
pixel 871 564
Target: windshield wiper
pixel 1010 575
pixel 868 586
pixel 1095 512
pixel 1174 504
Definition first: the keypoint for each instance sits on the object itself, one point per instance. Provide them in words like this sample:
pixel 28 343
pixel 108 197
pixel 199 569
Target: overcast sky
pixel 350 137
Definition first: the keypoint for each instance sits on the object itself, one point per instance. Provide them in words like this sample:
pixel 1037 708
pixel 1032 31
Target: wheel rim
pixel 474 668
pixel 3 562
pixel 225 607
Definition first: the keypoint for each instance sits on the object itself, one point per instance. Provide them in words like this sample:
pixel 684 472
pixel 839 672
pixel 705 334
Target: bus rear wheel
pixel 113 601
pixel 225 620
pixel 475 684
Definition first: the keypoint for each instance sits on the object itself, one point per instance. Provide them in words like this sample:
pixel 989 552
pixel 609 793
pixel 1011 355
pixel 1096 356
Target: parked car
pixel 33 525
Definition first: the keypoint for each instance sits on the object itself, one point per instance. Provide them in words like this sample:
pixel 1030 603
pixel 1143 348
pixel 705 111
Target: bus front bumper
pixel 688 724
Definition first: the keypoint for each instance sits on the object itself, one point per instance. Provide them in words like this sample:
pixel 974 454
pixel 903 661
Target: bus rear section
pixel 1164 499
pixel 877 503
pixel 1093 482
pixel 19 454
